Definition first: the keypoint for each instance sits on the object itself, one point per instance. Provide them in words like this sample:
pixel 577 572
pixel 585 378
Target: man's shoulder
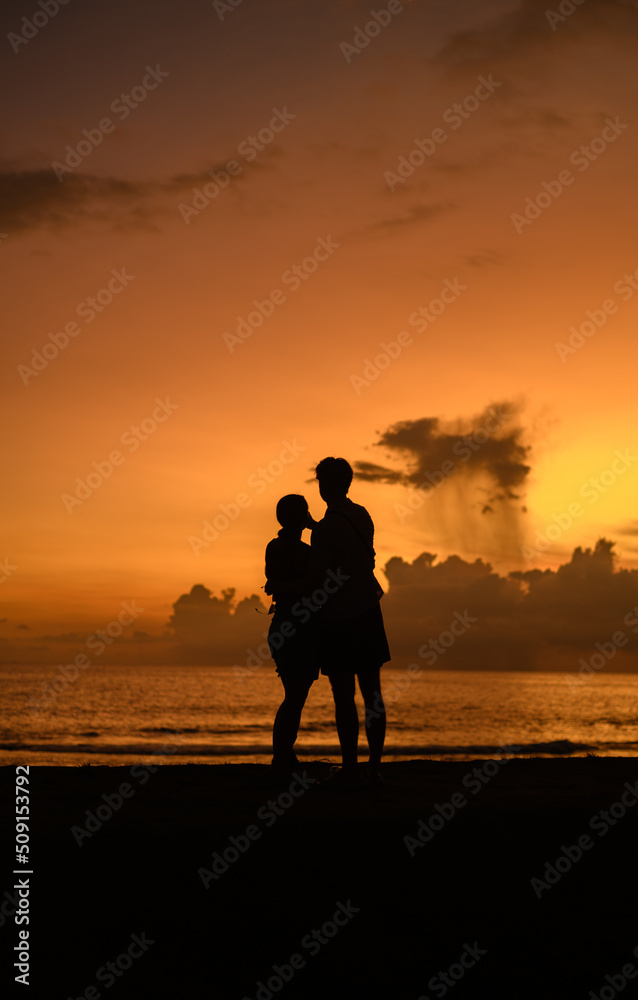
pixel 355 511
pixel 358 507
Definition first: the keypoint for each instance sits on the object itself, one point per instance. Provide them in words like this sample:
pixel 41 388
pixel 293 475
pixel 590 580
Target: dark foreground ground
pixel 463 902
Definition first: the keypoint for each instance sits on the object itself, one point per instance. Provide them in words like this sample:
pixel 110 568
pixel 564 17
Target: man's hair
pixel 292 510
pixel 335 473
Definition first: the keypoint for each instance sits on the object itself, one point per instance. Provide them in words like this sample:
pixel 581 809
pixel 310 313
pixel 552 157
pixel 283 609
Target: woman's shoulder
pixel 281 549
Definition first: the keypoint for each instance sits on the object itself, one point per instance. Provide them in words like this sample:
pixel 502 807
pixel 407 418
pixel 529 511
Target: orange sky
pixel 320 178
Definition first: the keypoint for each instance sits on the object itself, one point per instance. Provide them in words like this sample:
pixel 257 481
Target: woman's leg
pixel 286 725
pixel 346 715
pixel 370 685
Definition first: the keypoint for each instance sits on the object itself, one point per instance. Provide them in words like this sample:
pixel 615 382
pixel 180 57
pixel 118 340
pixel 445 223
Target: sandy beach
pixel 506 878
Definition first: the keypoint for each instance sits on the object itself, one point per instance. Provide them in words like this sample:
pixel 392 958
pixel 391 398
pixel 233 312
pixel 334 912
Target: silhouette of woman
pixel 293 633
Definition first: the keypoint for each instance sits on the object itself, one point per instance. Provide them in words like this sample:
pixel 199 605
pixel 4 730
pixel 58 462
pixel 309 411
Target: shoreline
pixel 172 752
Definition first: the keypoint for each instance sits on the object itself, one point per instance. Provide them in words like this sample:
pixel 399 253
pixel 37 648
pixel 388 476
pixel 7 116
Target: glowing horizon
pixel 246 265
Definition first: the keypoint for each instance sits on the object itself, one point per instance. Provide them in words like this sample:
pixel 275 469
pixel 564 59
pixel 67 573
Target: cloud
pixel 416 215
pixel 486 442
pixel 197 615
pixel 523 620
pixel 543 620
pixel 484 258
pixel 507 37
pixel 35 199
pixel 629 529
pixel 460 473
pixel 213 629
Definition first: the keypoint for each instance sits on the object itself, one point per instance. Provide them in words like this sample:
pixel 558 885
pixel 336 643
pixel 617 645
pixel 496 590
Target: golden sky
pixel 320 191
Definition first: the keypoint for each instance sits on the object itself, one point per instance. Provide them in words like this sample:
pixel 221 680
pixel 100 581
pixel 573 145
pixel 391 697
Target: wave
pixel 169 729
pixel 553 748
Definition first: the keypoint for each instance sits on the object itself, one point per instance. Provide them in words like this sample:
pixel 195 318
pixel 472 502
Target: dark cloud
pixel 33 199
pixel 465 477
pixel 506 37
pixel 197 615
pixel 538 619
pixel 629 529
pixel 489 442
pixel 213 629
pixel 376 473
pixel 524 620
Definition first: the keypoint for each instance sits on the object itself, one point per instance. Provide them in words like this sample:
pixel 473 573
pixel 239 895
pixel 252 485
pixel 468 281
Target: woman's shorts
pixel 299 654
pixel 354 644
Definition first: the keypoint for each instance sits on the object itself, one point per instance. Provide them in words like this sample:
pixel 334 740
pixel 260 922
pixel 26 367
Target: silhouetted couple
pixel 327 619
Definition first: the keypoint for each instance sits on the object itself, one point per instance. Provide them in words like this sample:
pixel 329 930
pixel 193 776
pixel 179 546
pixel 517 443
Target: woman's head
pixel 292 511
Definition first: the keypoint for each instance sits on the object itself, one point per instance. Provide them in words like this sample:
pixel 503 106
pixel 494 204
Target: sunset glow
pixel 224 286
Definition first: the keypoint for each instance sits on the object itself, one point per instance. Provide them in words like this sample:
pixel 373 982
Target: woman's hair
pixel 292 511
pixel 335 473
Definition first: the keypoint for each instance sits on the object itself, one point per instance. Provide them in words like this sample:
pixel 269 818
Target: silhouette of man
pixel 354 639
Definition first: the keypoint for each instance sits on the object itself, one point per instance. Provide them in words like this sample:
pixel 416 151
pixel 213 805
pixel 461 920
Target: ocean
pixel 179 714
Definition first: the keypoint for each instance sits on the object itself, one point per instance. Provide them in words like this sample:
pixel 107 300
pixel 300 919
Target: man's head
pixel 334 476
pixel 292 511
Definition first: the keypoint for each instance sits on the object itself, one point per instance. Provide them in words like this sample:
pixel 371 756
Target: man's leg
pixel 346 717
pixel 370 685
